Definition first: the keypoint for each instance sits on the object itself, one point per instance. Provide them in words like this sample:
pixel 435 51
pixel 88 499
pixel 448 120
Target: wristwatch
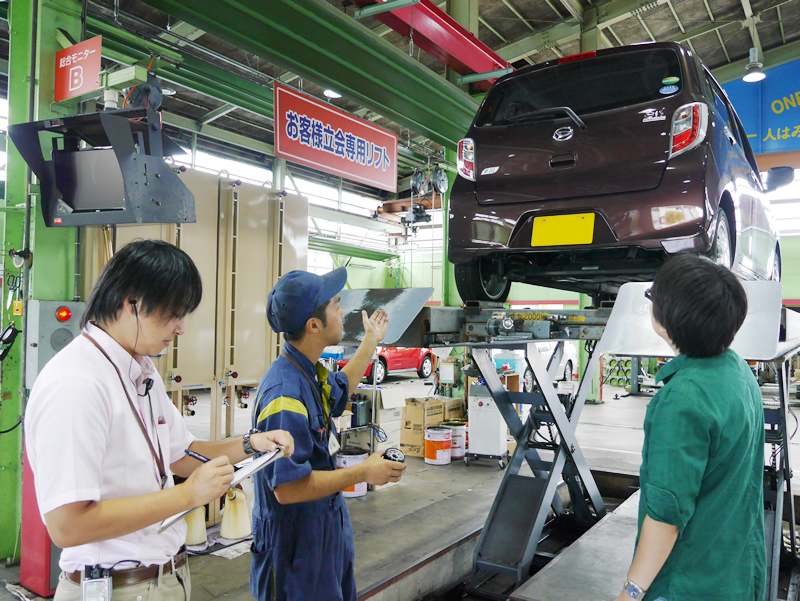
pixel 248 448
pixel 633 590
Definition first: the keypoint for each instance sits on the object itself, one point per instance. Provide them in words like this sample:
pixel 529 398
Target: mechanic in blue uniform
pixel 302 538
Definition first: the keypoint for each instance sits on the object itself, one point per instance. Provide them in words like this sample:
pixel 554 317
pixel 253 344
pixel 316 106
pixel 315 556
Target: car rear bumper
pixel 342 362
pixel 646 219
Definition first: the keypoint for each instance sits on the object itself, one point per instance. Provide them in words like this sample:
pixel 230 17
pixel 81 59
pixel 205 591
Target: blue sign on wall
pixel 770 109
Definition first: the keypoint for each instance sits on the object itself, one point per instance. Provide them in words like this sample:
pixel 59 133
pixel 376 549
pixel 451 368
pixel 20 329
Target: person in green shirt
pixel 701 510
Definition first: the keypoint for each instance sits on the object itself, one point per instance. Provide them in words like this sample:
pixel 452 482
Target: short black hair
pixel 160 276
pixel 319 313
pixel 701 304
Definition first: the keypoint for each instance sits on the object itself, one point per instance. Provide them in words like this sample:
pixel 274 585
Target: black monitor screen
pixel 90 180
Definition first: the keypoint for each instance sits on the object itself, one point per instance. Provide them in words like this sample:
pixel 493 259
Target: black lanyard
pixel 159 459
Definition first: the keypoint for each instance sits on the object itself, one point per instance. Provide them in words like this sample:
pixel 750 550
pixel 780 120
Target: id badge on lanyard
pixel 333 444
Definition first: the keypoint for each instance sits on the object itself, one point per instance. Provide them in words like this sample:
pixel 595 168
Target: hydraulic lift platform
pixel 513 530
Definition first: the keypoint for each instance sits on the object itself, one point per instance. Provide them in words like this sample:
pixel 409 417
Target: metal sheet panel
pixel 401 304
pixel 247 269
pixel 193 355
pixel 629 331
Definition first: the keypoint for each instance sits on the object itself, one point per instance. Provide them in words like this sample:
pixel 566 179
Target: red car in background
pixel 395 359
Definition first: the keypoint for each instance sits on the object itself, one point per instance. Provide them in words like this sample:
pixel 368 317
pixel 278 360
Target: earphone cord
pixel 147 388
pixel 135 342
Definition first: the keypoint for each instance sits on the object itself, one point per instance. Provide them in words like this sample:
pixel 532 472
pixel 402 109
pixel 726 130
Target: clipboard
pixel 250 468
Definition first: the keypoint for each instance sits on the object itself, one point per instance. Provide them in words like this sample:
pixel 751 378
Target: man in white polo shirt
pixel 104 440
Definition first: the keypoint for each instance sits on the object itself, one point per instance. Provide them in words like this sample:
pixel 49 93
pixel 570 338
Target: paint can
pixel 458 441
pixel 437 445
pixel 349 458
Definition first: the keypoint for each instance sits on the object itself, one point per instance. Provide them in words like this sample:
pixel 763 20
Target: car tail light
pixel 466 159
pixel 576 57
pixel 689 126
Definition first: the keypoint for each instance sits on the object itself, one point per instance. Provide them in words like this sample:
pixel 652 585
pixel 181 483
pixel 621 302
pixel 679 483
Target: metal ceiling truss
pixel 616 11
pixel 328 47
pixel 192 73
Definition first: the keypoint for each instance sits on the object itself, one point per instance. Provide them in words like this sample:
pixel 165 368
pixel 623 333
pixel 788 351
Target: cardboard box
pixel 389 402
pixel 419 414
pixel 342 422
pixel 452 408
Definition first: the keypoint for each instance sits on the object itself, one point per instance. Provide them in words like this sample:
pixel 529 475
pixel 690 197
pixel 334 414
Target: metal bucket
pixel 349 458
pixel 458 441
pixel 437 445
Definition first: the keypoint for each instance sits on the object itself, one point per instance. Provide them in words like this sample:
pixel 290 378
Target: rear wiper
pixel 549 111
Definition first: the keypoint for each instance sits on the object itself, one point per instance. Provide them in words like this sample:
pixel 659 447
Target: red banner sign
pixel 78 69
pixel 318 135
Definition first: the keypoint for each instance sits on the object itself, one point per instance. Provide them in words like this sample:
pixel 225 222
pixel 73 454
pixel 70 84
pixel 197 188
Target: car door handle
pixel 730 137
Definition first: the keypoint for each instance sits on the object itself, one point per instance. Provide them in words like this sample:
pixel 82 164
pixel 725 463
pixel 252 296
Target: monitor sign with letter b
pixel 78 69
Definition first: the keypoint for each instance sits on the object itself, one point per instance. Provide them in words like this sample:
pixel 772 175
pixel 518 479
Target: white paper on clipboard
pixel 245 471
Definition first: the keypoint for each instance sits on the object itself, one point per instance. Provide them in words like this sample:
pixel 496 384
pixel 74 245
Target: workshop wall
pixel 790 266
pixel 362 273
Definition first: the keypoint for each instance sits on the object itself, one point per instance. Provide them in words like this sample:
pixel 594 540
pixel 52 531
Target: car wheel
pixel 426 369
pixel 480 281
pixel 776 267
pixel 722 249
pixel 378 374
pixel 568 372
pixel 527 380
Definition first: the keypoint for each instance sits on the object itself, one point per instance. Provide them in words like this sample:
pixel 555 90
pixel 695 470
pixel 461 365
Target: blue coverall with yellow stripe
pixel 301 551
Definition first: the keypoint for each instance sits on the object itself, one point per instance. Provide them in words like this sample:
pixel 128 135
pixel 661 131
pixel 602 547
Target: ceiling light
pixel 753 71
pixel 332 94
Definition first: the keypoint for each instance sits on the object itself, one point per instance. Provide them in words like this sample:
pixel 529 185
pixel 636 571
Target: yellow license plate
pixel 563 230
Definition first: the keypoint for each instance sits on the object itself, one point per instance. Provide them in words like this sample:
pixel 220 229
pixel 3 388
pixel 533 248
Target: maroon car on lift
pixel 397 359
pixel 587 172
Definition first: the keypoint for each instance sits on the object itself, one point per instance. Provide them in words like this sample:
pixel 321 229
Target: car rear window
pixel 586 86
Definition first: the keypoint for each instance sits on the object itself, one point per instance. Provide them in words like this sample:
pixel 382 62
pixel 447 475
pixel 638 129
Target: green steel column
pixel 466 13
pixel 53 250
pixel 593 397
pixel 450 297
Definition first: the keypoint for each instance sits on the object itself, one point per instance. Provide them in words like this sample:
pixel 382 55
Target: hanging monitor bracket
pixel 119 176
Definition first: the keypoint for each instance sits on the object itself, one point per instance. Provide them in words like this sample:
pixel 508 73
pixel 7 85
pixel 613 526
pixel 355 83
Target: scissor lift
pixel 509 540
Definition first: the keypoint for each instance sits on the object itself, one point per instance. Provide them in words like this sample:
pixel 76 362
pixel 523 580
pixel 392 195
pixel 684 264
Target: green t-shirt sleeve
pixel 678 443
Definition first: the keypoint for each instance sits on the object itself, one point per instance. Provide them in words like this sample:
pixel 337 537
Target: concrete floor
pixel 431 509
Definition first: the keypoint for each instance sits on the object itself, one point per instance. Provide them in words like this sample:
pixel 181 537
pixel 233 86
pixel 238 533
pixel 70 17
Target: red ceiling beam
pixel 441 36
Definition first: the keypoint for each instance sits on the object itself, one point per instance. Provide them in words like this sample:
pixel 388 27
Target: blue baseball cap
pixel 298 294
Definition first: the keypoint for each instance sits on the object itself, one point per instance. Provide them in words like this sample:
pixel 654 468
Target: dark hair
pixel 161 277
pixel 319 313
pixel 701 304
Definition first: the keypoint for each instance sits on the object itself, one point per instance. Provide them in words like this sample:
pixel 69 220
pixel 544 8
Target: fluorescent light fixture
pixel 383 7
pixel 332 94
pixel 463 79
pixel 753 72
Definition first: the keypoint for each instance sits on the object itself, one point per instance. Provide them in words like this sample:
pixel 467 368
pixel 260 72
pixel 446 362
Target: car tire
pixel 722 248
pixel 568 372
pixel 378 374
pixel 426 369
pixel 528 381
pixel 478 281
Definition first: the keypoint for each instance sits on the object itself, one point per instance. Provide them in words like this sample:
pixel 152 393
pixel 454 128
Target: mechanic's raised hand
pixel 378 471
pixel 209 481
pixel 266 441
pixel 376 325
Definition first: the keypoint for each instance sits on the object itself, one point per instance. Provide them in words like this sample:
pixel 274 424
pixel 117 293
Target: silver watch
pixel 248 448
pixel 633 590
